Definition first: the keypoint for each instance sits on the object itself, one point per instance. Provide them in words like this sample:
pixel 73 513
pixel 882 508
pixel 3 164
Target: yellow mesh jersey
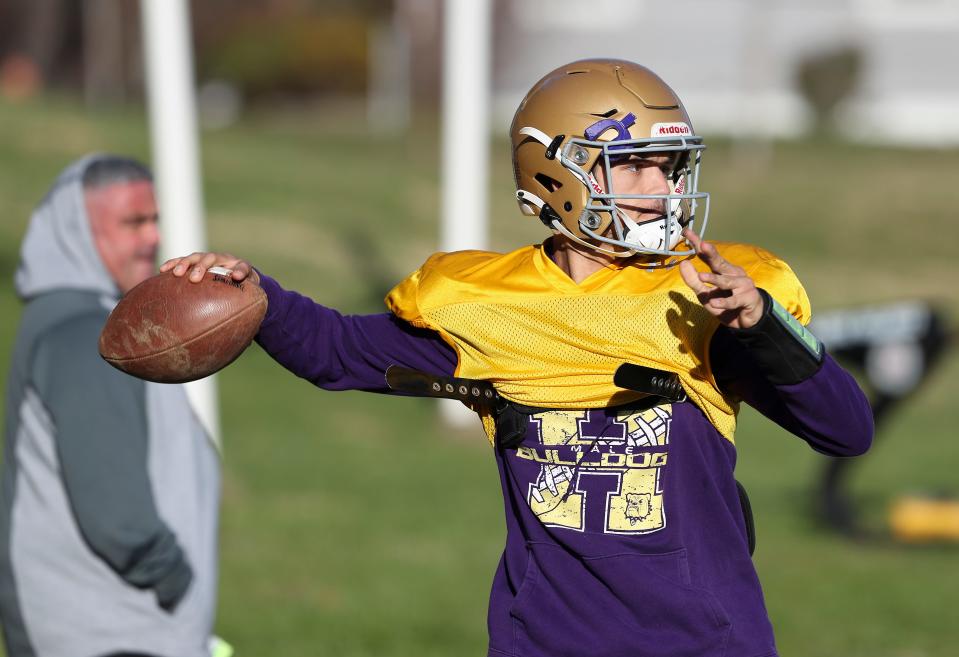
pixel 520 322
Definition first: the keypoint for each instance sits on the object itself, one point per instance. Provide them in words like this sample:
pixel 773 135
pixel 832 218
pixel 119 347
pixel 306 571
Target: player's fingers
pixel 706 251
pixel 710 299
pixel 724 281
pixel 744 308
pixel 179 266
pixel 243 270
pixel 689 274
pixel 204 262
pixel 169 264
pixel 239 268
pixel 709 254
pixel 210 260
pixel 724 302
pixel 691 237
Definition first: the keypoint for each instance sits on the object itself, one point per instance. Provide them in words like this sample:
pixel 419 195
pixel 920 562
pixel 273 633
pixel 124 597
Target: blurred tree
pixel 826 79
pixel 103 56
pixel 265 47
pixel 91 46
pixel 40 31
pixel 298 48
pixel 268 54
pixel 423 21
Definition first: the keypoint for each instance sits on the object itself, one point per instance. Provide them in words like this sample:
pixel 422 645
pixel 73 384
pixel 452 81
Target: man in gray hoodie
pixel 110 485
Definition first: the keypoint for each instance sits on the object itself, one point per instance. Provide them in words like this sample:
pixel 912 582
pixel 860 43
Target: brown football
pixel 170 330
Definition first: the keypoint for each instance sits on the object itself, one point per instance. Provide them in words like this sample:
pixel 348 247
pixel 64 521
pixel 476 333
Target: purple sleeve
pixel 828 410
pixel 351 352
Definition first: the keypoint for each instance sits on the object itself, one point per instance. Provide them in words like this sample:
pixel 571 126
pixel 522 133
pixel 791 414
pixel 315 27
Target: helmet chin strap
pixel 558 227
pixel 530 199
pixel 536 134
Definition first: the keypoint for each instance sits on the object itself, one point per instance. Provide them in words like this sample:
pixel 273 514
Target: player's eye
pixel 632 164
pixel 668 167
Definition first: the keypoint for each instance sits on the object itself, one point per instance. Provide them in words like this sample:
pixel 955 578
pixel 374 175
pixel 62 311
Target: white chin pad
pixel 652 234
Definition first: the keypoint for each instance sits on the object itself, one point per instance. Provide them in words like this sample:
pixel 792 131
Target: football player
pixel 625 530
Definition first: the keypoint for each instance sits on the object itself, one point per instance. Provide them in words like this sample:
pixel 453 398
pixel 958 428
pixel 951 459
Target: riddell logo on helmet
pixel 670 129
pixel 595 185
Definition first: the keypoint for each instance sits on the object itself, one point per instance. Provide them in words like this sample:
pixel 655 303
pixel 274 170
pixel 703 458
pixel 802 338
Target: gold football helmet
pixel 597 111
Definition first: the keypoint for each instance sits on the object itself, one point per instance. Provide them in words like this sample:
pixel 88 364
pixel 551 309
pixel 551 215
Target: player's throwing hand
pixel 726 291
pixel 197 264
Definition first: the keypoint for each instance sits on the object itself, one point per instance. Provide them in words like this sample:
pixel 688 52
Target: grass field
pixel 357 525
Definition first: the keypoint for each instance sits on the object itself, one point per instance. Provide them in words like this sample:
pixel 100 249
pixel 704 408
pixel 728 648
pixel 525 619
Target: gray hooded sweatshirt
pixel 110 486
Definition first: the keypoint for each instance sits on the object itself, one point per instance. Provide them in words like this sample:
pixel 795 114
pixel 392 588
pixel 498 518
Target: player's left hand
pixel 726 291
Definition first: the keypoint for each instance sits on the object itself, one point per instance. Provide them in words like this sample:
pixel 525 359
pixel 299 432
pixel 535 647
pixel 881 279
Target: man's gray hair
pixel 113 169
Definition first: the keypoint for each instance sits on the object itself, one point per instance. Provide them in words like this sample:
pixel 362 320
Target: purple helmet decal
pixel 622 128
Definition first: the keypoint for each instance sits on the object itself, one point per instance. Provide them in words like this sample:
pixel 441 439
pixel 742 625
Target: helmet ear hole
pixel 548 183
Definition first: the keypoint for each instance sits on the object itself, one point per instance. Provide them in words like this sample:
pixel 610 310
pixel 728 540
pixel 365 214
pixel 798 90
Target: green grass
pixel 357 525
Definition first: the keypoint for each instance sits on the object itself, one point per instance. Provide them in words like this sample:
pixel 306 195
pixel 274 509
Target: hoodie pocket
pixel 620 605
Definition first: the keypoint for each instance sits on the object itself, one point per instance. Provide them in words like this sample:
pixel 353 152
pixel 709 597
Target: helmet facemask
pixel 658 236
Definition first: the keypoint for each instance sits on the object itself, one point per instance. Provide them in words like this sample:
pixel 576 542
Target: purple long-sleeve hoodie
pixel 625 532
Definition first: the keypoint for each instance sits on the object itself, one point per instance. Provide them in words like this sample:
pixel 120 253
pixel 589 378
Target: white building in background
pixel 734 62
